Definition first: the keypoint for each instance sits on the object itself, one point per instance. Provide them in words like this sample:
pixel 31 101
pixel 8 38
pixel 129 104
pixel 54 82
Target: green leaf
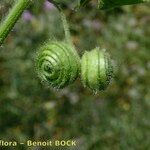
pixel 107 4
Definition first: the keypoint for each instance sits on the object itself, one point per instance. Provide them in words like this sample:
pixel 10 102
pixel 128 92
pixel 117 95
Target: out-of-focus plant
pixel 21 5
pixel 45 67
pixel 117 118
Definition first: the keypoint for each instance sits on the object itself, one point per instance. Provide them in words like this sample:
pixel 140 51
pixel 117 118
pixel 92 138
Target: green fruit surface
pixel 96 69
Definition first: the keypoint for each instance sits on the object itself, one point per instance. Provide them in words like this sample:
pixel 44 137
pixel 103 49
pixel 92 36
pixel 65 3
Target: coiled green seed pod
pixel 96 69
pixel 58 64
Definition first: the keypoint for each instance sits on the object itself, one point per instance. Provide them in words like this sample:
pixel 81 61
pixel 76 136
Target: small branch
pixel 66 28
pixel 64 21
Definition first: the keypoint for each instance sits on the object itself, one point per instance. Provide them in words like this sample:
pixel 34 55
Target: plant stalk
pixel 12 17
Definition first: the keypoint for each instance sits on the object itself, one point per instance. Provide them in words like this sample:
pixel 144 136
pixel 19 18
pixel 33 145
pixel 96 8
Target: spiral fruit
pixel 58 64
pixel 96 69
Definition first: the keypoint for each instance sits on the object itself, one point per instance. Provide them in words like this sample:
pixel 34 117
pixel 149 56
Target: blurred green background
pixel 115 119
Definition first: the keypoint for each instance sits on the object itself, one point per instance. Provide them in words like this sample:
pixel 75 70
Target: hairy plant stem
pixel 64 21
pixel 10 20
pixel 66 29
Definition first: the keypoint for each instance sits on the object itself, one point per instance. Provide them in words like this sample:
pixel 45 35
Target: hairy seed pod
pixel 107 4
pixel 58 64
pixel 96 69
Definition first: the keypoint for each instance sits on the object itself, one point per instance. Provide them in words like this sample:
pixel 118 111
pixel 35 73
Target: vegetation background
pixel 115 119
